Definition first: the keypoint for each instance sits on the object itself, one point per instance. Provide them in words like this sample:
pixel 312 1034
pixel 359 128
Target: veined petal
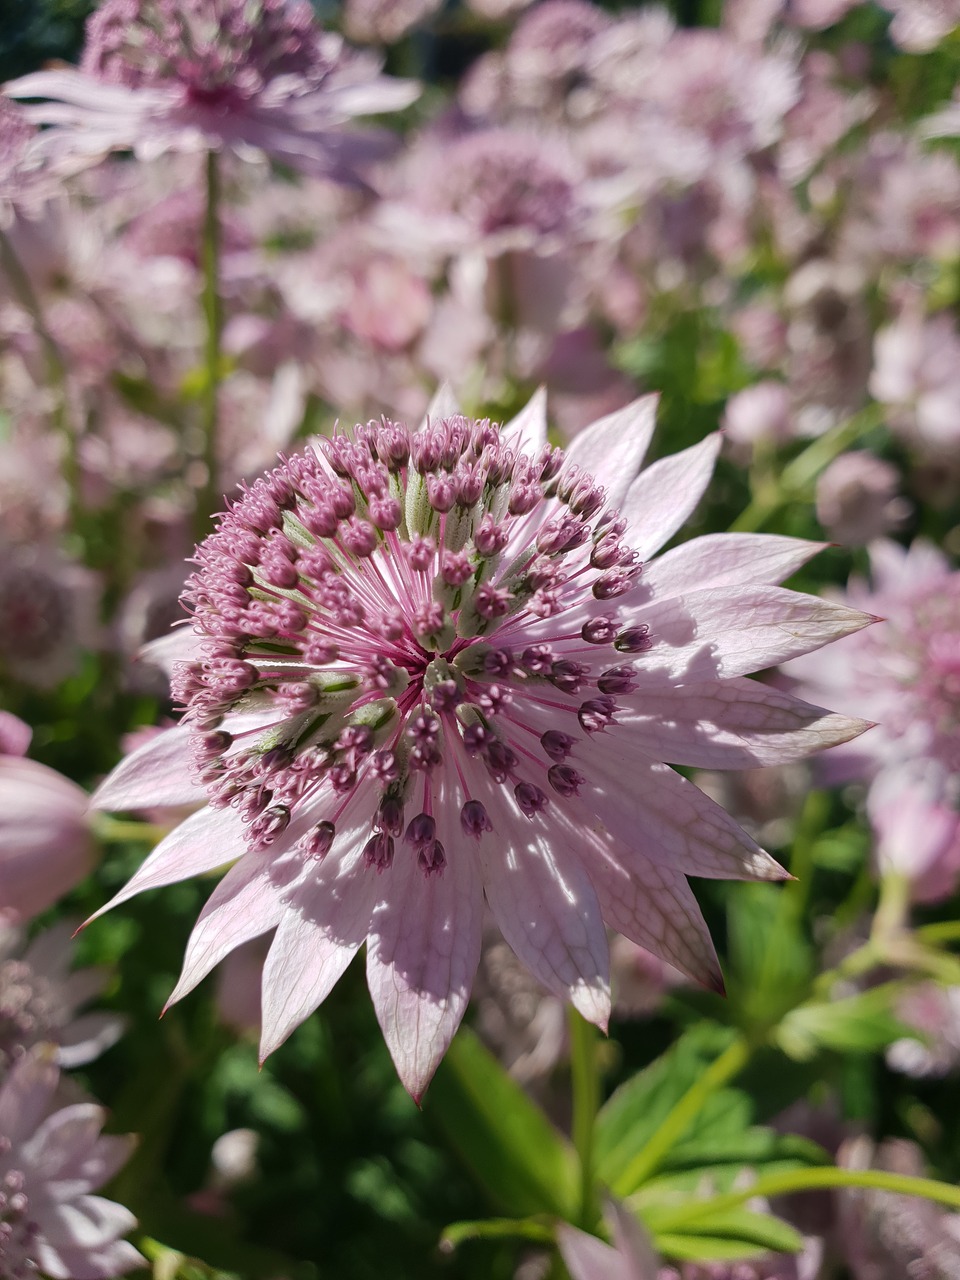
pixel 546 907
pixel 70 1262
pixel 665 495
pixel 612 449
pixel 728 724
pixel 246 903
pixel 422 956
pixel 160 772
pixel 203 842
pixel 653 906
pixel 658 816
pixel 724 631
pixel 320 932
pixel 727 560
pixel 527 432
pixel 442 405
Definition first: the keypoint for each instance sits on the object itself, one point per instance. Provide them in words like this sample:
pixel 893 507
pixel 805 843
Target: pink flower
pixel 425 670
pixel 630 1257
pixel 45 843
pixel 40 999
pixel 917 374
pixel 188 75
pixel 50 1161
pixel 21 179
pixel 858 498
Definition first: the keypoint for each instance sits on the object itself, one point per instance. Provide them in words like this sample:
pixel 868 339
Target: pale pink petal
pixel 723 632
pixel 729 724
pixel 95 1167
pixel 73 1263
pixel 320 933
pixel 727 560
pixel 588 1258
pixel 87 1037
pixel 653 906
pixel 660 817
pixel 546 907
pixel 27 1092
pixel 181 644
pixel 444 404
pixel 663 497
pixel 203 842
pixel 61 1142
pixel 612 449
pixel 159 773
pixel 247 902
pixel 422 956
pixel 527 432
pixel 86 1222
pixel 632 1241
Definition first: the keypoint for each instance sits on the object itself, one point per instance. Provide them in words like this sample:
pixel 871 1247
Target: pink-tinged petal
pixel 27 1092
pixel 247 902
pixel 653 906
pixel 728 724
pixel 422 957
pixel 87 1037
pixel 527 432
pixel 161 772
pixel 85 1222
pixel 203 842
pixel 443 404
pixel 631 1240
pixel 60 1143
pixel 612 449
pixel 75 87
pixel 727 560
pixel 101 1163
pixel 73 1263
pixel 15 735
pixel 660 817
pixel 320 933
pixel 724 632
pixel 546 907
pixel 587 1258
pixel 181 644
pixel 663 497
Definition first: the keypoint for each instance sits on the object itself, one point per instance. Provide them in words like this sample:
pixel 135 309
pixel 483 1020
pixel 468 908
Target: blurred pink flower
pixel 47 614
pixel 933 1014
pixel 919 25
pixel 858 499
pixel 912 807
pixel 41 999
pixel 432 699
pixel 45 843
pixel 190 75
pixel 759 414
pixel 917 374
pixel 384 21
pixel 15 735
pixel 630 1257
pixel 50 1160
pixel 22 182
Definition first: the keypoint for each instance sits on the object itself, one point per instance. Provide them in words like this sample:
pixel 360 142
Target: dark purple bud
pixel 389 817
pixel 568 676
pixel 557 745
pixel 386 513
pixel 530 798
pixel 378 851
pixel 474 819
pixel 421 830
pixel 455 568
pixel 317 843
pixel 476 737
pixel 441 493
pixel 383 765
pixel 359 536
pixel 537 659
pixel 500 760
pixel 431 859
pixel 498 662
pixel 634 640
pixel 269 825
pixel 596 714
pixel 420 553
pixel 490 538
pixel 564 780
pixel 341 500
pixel 618 680
pixel 600 630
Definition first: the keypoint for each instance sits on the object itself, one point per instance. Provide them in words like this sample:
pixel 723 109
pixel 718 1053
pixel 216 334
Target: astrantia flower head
pixel 160 75
pixel 430 668
pixel 51 1158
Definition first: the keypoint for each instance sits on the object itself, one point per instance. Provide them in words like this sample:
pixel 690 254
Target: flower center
pixel 398 602
pixel 17 1232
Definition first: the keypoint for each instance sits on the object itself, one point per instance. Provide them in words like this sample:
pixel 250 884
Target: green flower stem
pixel 121 830
pixel 209 495
pixel 21 285
pixel 720 1072
pixel 798 475
pixel 586 1103
pixel 941 933
pixel 817 1179
pixel 496 1229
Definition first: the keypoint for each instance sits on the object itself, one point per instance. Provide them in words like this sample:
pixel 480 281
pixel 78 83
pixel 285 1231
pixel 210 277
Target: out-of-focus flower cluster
pixel 228 227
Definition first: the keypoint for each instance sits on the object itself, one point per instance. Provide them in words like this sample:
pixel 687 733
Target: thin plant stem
pixel 22 286
pixel 798 475
pixel 209 494
pixel 733 1059
pixel 586 1103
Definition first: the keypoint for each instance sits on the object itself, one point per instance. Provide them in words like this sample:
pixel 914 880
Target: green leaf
pixel 507 1142
pixel 636 1110
pixel 737 1232
pixel 720 1161
pixel 862 1023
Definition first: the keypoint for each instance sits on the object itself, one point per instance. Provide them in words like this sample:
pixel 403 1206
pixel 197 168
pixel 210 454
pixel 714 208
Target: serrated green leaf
pixel 507 1142
pixel 863 1023
pixel 636 1110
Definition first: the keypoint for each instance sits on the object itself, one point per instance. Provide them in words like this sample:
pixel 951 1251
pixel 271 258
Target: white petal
pixel 527 432
pixel 663 497
pixel 203 842
pixel 443 405
pixel 422 958
pixel 724 631
pixel 612 449
pixel 728 724
pixel 161 772
pixel 726 560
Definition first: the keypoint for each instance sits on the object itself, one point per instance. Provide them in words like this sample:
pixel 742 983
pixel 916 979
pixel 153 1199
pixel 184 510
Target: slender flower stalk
pixel 213 314
pixel 420 667
pixel 586 1103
